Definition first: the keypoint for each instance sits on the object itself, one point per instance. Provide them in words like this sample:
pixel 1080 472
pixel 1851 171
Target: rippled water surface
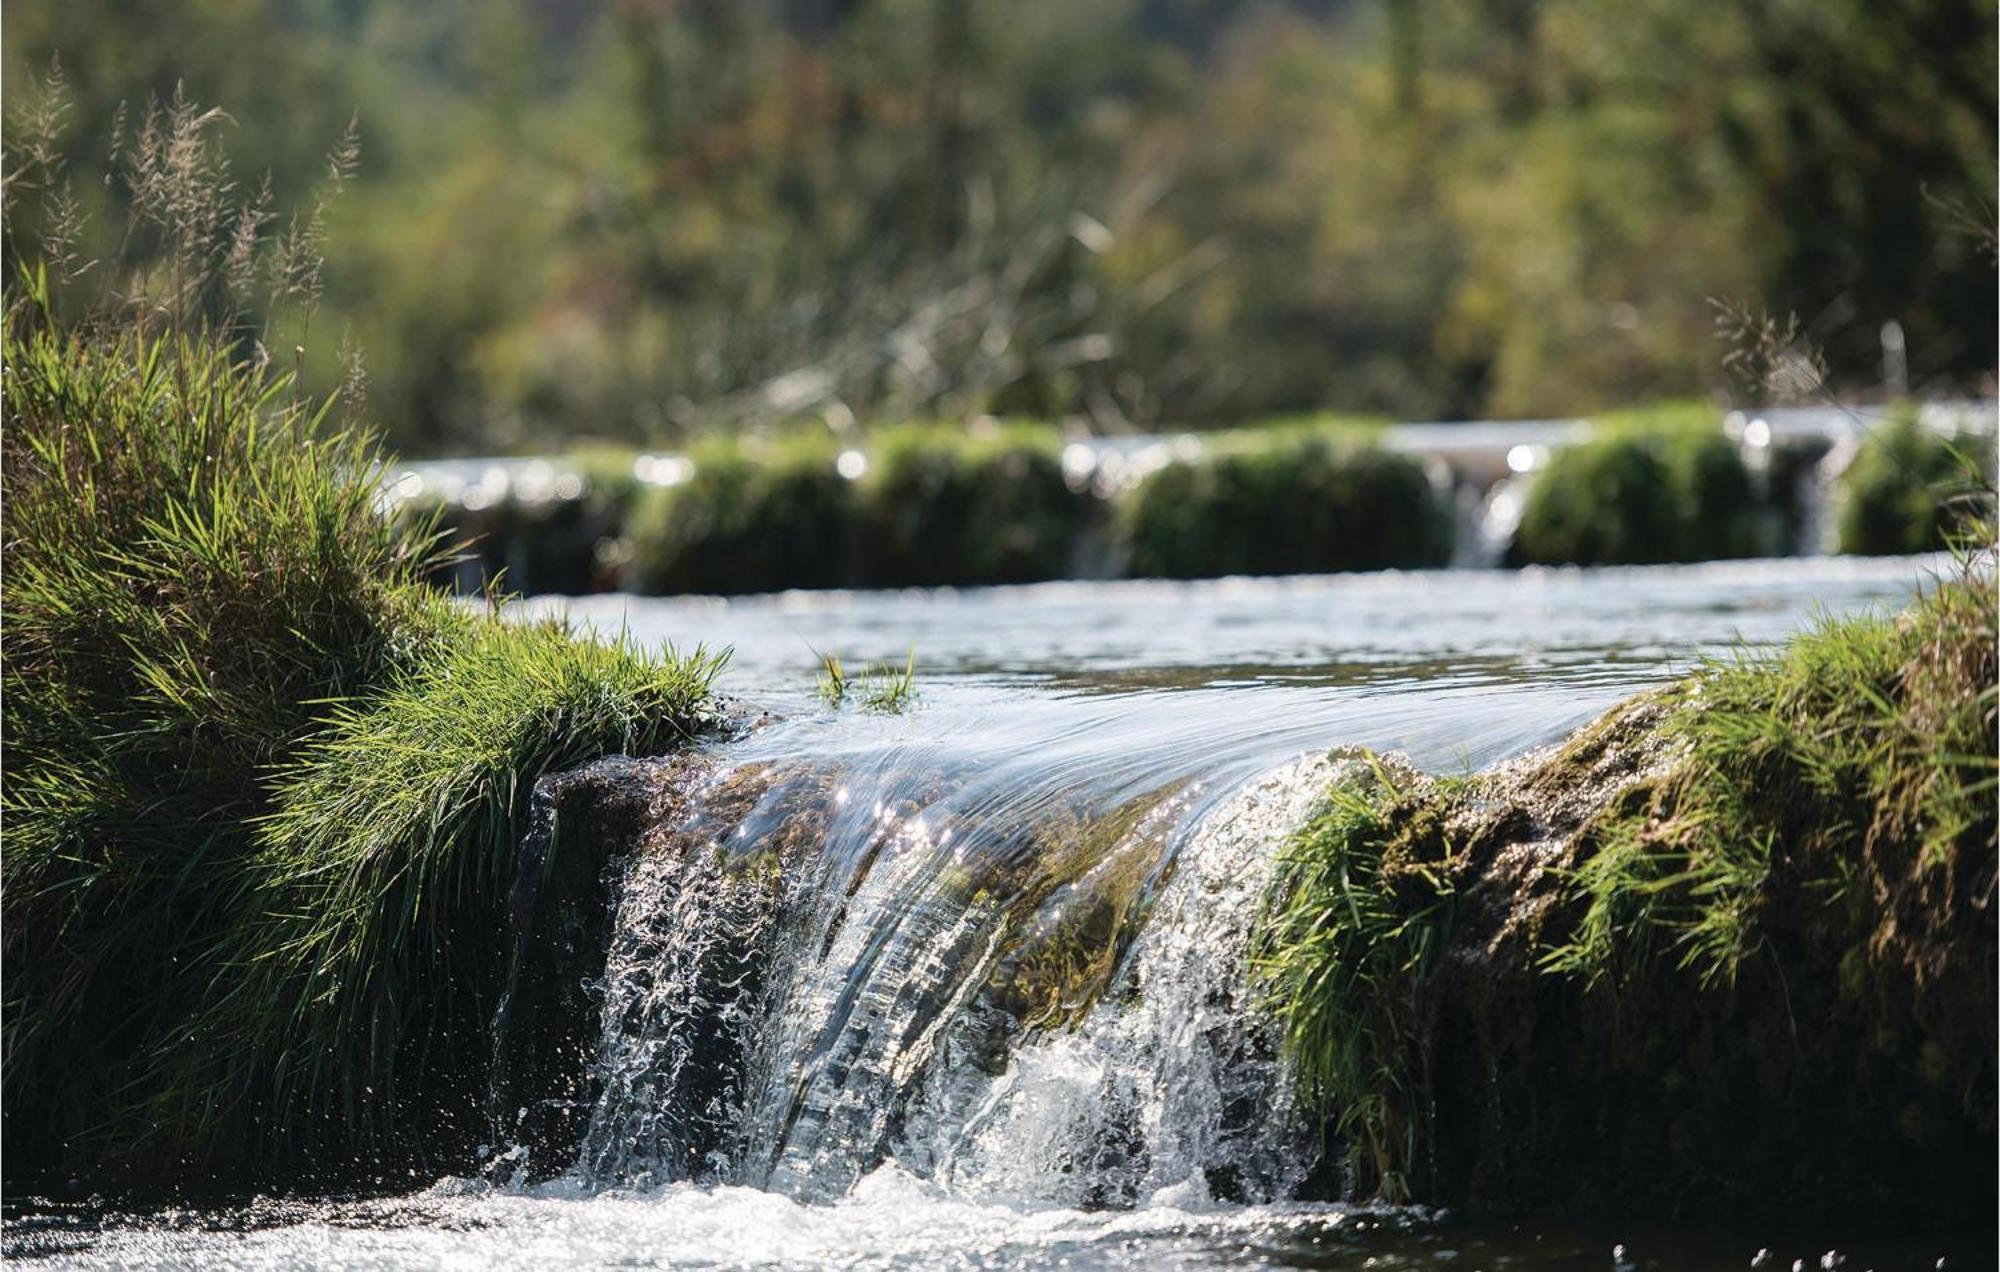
pixel 862 1119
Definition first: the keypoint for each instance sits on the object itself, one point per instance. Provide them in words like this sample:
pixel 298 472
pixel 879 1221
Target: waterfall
pixel 1035 993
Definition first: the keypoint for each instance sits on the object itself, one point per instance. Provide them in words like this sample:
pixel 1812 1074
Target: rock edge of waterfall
pixel 1729 950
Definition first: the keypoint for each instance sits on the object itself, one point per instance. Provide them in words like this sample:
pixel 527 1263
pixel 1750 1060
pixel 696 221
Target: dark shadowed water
pixel 876 1110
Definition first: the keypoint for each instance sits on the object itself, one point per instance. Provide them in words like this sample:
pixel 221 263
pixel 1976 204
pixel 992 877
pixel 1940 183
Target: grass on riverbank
pixel 262 785
pixel 1730 948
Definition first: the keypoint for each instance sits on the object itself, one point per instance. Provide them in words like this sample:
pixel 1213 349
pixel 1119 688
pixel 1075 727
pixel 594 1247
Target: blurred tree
pixel 642 219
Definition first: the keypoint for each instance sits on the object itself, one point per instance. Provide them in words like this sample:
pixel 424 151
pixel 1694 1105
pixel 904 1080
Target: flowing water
pixel 968 985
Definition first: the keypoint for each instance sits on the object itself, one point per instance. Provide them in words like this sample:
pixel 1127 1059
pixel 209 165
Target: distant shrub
pixel 559 544
pixel 940 507
pixel 1289 502
pixel 1647 490
pixel 1898 495
pixel 749 519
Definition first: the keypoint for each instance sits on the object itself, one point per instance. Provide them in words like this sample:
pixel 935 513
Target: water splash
pixel 1170 1088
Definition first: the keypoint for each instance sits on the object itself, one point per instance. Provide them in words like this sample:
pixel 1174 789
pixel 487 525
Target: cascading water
pixel 1035 999
pixel 1170 1085
pixel 1005 947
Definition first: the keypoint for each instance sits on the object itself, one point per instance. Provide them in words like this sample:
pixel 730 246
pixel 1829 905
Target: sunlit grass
pixel 880 687
pixel 259 779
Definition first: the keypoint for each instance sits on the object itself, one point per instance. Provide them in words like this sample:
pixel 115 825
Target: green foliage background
pixel 635 221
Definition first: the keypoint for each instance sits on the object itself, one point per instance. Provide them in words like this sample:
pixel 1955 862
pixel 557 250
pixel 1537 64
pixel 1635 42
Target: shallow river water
pixel 1207 706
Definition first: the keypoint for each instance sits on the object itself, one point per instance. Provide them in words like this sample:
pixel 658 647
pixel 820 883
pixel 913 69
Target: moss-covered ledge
pixel 1729 950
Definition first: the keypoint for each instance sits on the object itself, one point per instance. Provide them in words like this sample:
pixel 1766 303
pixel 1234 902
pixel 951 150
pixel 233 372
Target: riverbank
pixel 264 786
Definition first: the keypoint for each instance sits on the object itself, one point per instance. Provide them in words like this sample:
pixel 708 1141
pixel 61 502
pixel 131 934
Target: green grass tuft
pixel 258 778
pixel 1360 908
pixel 369 930
pixel 881 688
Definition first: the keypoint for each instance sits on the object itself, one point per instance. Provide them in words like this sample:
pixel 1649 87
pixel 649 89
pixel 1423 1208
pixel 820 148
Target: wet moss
pixel 1729 950
pixel 1083 896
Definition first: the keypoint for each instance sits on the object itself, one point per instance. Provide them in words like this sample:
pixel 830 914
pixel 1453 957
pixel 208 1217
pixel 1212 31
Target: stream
pixel 968 985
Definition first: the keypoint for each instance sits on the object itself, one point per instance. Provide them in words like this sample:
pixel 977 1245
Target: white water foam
pixel 1170 1084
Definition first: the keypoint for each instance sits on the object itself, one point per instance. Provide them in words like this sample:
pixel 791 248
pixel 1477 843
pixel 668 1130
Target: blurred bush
pixel 1908 488
pixel 1649 488
pixel 940 507
pixel 1285 501
pixel 750 518
pixel 544 537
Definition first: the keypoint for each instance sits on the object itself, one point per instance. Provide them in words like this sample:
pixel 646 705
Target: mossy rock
pixel 1642 495
pixel 1727 952
pixel 940 507
pixel 1298 501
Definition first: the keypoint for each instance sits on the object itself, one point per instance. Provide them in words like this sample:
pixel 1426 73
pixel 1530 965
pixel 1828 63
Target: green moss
pixel 943 507
pixel 1078 900
pixel 751 518
pixel 1296 501
pixel 1908 489
pixel 260 783
pixel 1650 487
pixel 1360 907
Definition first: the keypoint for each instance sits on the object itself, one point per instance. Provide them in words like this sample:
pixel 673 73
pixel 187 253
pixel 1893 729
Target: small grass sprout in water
pixel 881 687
